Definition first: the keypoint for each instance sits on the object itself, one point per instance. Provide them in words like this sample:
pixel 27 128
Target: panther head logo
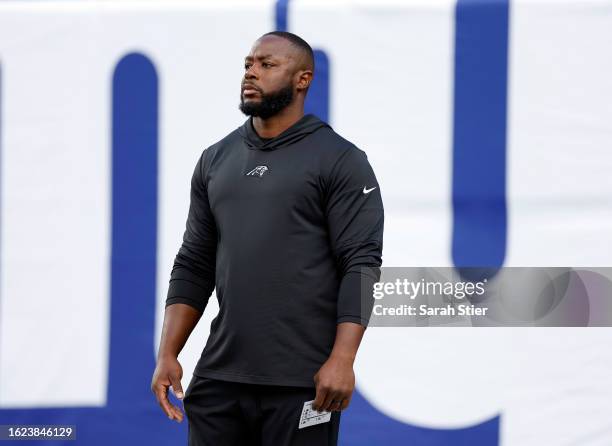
pixel 258 171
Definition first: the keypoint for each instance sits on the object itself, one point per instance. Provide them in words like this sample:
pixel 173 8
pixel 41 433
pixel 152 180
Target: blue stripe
pixel 479 133
pixel 134 227
pixel 281 15
pixel 317 99
pixel 131 415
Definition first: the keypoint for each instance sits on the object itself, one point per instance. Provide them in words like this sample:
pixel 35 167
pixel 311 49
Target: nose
pixel 250 73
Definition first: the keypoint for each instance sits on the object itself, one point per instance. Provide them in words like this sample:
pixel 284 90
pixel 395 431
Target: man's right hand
pixel 168 373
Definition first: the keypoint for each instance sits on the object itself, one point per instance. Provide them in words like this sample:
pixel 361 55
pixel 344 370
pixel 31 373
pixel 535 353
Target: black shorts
pixel 223 413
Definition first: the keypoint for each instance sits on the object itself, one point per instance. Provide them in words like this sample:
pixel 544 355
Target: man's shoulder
pixel 222 145
pixel 336 145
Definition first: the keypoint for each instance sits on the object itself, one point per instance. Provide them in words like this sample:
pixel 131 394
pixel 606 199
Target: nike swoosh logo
pixel 367 191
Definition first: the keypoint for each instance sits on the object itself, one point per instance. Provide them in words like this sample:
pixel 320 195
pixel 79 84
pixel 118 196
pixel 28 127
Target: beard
pixel 269 104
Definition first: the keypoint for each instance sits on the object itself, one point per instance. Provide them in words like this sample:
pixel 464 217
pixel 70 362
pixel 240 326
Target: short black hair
pixel 297 41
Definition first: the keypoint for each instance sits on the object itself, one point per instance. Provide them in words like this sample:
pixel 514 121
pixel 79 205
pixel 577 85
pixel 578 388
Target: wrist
pixel 343 356
pixel 166 356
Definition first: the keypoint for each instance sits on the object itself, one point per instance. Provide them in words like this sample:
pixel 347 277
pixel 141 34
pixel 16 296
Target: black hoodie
pixel 288 230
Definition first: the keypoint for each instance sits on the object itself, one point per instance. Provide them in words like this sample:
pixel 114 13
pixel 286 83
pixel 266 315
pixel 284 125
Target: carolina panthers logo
pixel 257 172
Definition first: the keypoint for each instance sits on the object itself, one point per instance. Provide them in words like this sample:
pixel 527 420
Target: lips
pixel 249 89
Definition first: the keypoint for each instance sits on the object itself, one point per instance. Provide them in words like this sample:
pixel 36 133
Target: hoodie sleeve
pixel 355 218
pixel 193 275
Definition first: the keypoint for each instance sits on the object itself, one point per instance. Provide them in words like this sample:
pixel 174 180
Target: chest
pixel 283 180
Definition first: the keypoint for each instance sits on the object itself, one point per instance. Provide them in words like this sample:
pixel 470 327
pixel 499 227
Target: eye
pixel 266 64
pixel 246 66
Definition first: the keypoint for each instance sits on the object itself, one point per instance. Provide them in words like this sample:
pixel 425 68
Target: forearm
pixel 179 322
pixel 348 339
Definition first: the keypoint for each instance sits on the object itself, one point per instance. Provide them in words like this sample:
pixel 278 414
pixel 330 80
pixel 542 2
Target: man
pixel 286 221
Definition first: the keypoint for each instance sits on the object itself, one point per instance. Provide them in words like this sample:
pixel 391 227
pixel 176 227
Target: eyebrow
pixel 265 56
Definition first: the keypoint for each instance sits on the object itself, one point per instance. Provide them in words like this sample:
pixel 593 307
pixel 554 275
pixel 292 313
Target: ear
pixel 304 79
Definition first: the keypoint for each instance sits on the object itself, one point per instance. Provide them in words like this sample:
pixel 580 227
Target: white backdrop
pixel 391 93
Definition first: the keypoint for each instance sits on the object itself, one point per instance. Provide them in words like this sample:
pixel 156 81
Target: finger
pixel 161 392
pixel 178 414
pixel 175 413
pixel 319 398
pixel 345 403
pixel 331 396
pixel 176 387
pixel 336 406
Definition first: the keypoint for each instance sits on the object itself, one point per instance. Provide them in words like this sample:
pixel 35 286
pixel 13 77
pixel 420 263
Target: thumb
pixel 176 386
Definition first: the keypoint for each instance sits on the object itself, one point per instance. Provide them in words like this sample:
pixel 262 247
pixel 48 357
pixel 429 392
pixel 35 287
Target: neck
pixel 277 124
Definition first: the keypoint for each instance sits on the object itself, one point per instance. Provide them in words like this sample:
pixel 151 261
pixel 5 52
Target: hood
pixel 307 124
